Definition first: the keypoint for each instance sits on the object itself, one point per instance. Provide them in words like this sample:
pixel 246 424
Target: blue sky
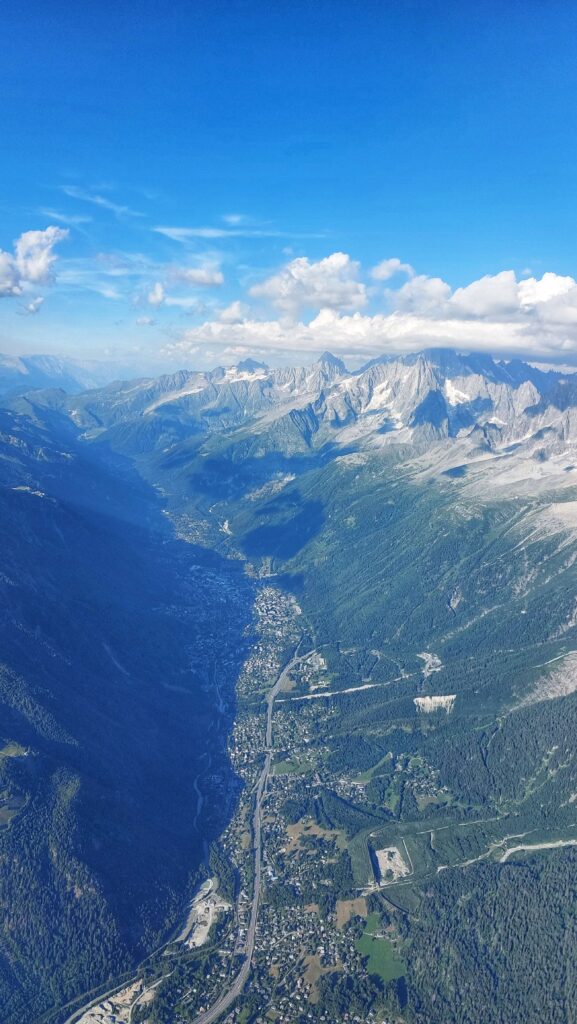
pixel 224 178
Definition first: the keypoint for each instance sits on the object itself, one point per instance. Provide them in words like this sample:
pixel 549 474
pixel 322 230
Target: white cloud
pixel 32 307
pixel 178 234
pixel 496 295
pixel 365 335
pixel 535 304
pixel 421 295
pixel 234 314
pixel 551 286
pixel 185 234
pixel 145 321
pixel 108 292
pixel 97 200
pixel 66 218
pixel 559 311
pixel 332 283
pixel 138 279
pixel 208 276
pixel 10 281
pixel 83 275
pixel 35 256
pixel 156 295
pixel 234 219
pixel 188 303
pixel 388 268
pixel 32 261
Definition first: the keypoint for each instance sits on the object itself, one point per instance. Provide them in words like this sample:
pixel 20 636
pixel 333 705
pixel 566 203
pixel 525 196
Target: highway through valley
pixel 228 998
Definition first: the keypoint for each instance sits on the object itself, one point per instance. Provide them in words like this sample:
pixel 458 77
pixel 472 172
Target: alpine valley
pixel 288 694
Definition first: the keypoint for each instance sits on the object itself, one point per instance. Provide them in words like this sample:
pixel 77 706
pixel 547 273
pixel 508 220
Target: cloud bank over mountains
pixel 300 307
pixel 500 312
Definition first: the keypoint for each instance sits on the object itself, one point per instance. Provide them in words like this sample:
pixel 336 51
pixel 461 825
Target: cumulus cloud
pixel 388 268
pixel 490 296
pixel 10 280
pixel 539 305
pixel 421 295
pixel 550 286
pixel 31 262
pixel 35 256
pixel 235 313
pixel 331 283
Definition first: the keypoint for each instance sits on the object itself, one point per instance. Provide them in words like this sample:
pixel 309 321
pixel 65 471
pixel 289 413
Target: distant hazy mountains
pixel 25 372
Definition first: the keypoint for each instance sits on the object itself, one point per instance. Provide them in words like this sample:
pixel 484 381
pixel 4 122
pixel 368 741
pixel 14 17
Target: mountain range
pixel 472 411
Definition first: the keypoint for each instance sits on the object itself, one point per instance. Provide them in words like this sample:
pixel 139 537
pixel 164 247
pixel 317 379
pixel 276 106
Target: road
pixel 226 1000
pixel 553 845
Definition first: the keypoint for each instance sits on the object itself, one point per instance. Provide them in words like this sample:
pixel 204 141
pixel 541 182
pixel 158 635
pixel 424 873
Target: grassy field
pixel 360 860
pixel 382 956
pixel 367 776
pixel 292 766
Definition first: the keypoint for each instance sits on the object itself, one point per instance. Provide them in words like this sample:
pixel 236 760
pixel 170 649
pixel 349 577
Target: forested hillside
pixel 112 634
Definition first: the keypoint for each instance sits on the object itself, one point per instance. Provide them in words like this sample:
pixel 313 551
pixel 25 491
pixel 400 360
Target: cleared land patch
pixel 310 828
pixel 313 972
pixel 350 908
pixel 428 704
pixel 391 864
pixel 559 683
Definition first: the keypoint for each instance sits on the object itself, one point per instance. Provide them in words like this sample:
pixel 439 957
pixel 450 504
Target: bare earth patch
pixel 313 973
pixel 391 864
pixel 204 909
pixel 559 683
pixel 432 663
pixel 428 704
pixel 350 908
pixel 115 1009
pixel 307 828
